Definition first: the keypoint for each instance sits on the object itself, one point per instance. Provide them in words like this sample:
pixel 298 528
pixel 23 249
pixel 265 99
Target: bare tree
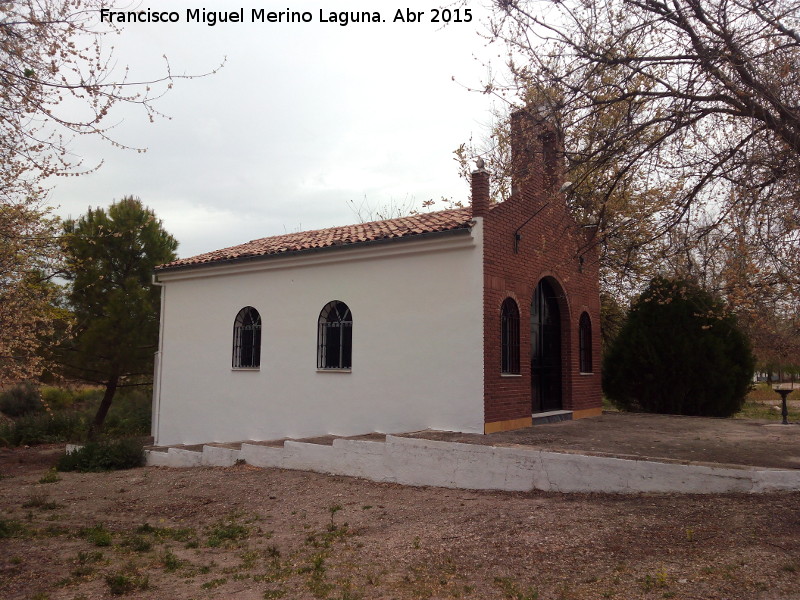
pixel 680 118
pixel 57 81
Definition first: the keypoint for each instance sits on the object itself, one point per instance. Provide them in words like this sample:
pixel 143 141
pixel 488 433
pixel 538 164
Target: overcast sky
pixel 302 119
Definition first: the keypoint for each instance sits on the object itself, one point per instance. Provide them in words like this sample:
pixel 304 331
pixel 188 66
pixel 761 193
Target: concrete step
pixel 552 416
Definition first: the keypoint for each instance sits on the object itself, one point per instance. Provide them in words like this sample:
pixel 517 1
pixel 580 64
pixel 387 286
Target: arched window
pixel 247 339
pixel 509 336
pixel 335 337
pixel 585 343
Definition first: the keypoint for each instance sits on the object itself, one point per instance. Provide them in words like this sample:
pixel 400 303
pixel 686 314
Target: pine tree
pixel 110 261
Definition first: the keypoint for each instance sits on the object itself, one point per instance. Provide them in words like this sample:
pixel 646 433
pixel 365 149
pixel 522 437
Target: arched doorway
pixel 545 349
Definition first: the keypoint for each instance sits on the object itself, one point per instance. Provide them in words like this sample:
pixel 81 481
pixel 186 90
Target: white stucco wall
pixel 417 309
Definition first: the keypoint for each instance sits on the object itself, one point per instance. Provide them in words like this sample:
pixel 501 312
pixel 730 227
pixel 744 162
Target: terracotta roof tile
pixel 444 220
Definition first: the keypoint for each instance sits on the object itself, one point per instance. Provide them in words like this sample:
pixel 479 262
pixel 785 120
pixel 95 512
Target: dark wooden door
pixel 545 349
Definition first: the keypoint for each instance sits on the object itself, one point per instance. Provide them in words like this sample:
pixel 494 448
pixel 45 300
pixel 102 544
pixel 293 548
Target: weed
pixel 10 528
pixel 659 580
pixel 511 590
pixel 170 561
pixel 789 567
pixel 366 507
pixel 249 559
pixel 415 544
pixel 167 533
pixel 55 531
pixel 138 543
pixel 276 593
pixel 273 552
pixel 50 477
pixel 120 583
pixel 689 534
pixel 210 585
pixel 97 535
pixel 90 557
pixel 82 571
pixel 226 530
pixel 40 501
pixel 333 509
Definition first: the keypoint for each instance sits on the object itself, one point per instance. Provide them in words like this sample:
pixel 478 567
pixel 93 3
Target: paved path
pixel 656 437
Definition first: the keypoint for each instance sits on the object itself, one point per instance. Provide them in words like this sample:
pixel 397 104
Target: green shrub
pixel 106 455
pixel 130 413
pixel 43 428
pixel 57 398
pixel 22 399
pixel 679 352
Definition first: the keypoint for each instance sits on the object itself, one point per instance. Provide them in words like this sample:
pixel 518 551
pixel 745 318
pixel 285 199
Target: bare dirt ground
pixel 249 533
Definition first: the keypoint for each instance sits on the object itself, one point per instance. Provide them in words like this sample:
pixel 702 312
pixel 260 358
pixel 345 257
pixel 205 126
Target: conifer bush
pixel 22 399
pixel 680 351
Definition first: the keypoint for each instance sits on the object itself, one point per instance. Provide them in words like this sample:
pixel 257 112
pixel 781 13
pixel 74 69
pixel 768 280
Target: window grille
pixel 585 343
pixel 247 339
pixel 335 337
pixel 509 333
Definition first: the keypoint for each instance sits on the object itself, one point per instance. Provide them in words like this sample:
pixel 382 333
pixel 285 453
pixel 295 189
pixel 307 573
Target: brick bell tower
pixel 541 296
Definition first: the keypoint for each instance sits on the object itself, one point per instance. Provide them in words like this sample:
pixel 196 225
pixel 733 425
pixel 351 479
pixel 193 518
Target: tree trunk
pixel 105 405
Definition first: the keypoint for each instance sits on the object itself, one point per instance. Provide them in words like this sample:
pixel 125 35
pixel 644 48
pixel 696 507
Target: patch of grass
pixel 759 402
pixel 51 476
pixel 93 556
pixel 511 589
pixel 120 584
pixel 224 531
pixel 249 559
pixel 11 528
pixel 54 531
pixel 214 583
pixel 138 543
pixel 40 501
pixel 184 534
pixel 97 535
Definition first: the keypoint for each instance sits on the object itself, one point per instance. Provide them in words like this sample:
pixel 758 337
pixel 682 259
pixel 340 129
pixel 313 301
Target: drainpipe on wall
pixel 156 409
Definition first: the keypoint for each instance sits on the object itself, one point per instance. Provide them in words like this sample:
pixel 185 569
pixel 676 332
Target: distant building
pixel 471 320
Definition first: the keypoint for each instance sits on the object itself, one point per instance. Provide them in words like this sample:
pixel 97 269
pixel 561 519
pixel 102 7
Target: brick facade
pixel 530 237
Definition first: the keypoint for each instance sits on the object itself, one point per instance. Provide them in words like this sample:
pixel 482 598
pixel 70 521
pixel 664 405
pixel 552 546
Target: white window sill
pixel 510 374
pixel 334 370
pixel 582 373
pixel 245 368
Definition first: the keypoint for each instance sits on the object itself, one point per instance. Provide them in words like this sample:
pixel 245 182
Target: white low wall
pixel 411 461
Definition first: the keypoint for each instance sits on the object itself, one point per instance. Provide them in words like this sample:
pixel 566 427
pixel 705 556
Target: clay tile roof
pixel 433 222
